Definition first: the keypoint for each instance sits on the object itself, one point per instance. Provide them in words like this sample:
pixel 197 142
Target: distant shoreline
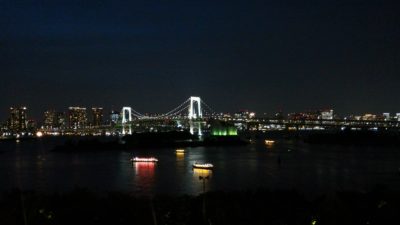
pixel 154 140
pixel 149 140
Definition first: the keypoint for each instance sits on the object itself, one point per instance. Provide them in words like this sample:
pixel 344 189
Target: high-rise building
pixel 60 121
pixel 114 117
pixel 49 119
pixel 97 117
pixel 31 126
pixel 18 119
pixel 77 117
pixel 398 116
pixel 54 120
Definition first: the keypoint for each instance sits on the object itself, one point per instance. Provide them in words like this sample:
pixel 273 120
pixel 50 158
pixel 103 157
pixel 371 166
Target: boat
pixel 269 142
pixel 207 166
pixel 150 159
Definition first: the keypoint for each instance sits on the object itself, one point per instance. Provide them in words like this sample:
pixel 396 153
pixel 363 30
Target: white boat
pixel 207 166
pixel 269 142
pixel 150 159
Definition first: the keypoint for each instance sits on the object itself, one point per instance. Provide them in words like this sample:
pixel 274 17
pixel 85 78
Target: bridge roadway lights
pixel 126 114
pixel 192 112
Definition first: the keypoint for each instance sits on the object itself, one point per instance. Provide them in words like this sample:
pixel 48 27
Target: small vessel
pixel 269 142
pixel 150 159
pixel 180 151
pixel 207 166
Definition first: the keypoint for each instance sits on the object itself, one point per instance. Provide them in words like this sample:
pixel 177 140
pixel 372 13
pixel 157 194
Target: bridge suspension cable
pixel 212 111
pixel 136 113
pixel 180 111
pixel 175 111
pixel 176 108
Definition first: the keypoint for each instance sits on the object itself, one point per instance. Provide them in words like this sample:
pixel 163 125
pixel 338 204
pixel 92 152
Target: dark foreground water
pixel 311 169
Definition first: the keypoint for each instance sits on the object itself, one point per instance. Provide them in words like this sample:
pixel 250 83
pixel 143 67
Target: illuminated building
pixel 60 120
pixel 304 116
pixel 53 120
pixel 77 117
pixel 252 115
pixel 97 117
pixel 49 119
pixel 368 117
pixel 398 116
pixel 18 119
pixel 31 126
pixel 386 116
pixel 114 117
pixel 312 115
pixel 326 114
pixel 244 114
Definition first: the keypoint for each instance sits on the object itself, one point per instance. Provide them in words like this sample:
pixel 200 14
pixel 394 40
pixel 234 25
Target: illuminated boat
pixel 269 142
pixel 207 166
pixel 151 159
pixel 180 151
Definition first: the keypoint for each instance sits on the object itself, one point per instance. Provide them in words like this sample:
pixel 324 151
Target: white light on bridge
pixel 192 113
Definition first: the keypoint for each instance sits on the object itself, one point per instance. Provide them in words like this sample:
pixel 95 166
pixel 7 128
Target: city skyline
pixel 193 116
pixel 264 56
pixel 98 115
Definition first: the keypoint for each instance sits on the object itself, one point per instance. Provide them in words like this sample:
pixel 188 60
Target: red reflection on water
pixel 145 169
pixel 144 175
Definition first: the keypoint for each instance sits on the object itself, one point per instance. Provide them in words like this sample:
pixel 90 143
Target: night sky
pixel 152 55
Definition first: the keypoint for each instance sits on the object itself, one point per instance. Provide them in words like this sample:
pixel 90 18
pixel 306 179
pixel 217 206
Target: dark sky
pixel 152 55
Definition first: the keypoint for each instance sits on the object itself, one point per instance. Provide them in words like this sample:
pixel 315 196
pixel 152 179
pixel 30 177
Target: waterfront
pixel 287 164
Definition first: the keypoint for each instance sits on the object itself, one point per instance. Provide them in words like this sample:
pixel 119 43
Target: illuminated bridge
pixel 193 110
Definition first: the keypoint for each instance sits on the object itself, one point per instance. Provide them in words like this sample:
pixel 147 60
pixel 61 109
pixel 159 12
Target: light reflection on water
pixel 144 176
pixel 286 164
pixel 202 177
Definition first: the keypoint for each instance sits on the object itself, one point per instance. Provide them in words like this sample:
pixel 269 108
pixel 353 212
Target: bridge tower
pixel 126 114
pixel 192 108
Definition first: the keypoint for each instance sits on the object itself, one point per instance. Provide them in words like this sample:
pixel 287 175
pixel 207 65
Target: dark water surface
pixel 30 165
